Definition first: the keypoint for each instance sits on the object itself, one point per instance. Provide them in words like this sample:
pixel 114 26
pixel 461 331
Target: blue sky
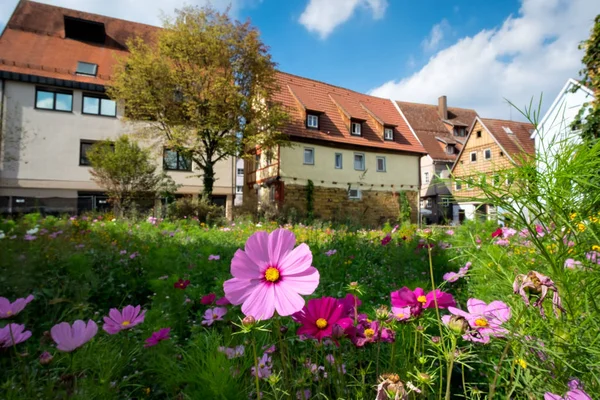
pixel 477 53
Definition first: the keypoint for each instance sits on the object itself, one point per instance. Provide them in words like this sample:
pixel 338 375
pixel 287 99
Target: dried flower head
pixel 536 284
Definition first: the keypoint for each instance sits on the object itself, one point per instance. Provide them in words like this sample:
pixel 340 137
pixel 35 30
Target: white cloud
pixel 436 35
pixel 323 16
pixel 145 11
pixel 534 52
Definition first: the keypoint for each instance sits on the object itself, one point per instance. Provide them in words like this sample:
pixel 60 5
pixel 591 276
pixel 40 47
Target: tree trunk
pixel 208 179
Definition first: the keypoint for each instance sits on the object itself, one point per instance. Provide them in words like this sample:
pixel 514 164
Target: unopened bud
pixel 435 339
pixel 248 321
pixel 458 324
pixel 337 332
pixel 423 377
pixel 45 358
pixel 283 329
pixel 382 313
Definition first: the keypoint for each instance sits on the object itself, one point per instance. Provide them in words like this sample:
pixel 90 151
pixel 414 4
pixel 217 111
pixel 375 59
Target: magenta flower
pixel 69 338
pixel 270 275
pixel 386 239
pixel 576 394
pixel 208 299
pixel 484 319
pixel 214 314
pixel 497 233
pixel 454 276
pixel 8 309
pixel 417 300
pixel 538 285
pixel 127 319
pixel 14 332
pixel 223 301
pixel 157 337
pixel 350 304
pixel 181 284
pixel 319 317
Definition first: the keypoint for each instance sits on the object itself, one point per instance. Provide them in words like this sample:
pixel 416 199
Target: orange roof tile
pixel 513 136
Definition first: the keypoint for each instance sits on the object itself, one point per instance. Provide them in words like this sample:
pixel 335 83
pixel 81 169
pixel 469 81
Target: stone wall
pixel 332 204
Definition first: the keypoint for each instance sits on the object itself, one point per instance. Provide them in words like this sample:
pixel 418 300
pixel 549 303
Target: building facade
pixel 354 152
pixel 239 182
pixel 493 147
pixel 442 131
pixel 55 65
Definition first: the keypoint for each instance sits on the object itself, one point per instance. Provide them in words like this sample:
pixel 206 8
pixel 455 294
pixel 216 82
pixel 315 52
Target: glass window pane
pixel 91 105
pixel 86 68
pixel 184 163
pixel 109 107
pixel 45 100
pixel 64 102
pixel 358 162
pixel 170 159
pixel 308 156
pixel 85 147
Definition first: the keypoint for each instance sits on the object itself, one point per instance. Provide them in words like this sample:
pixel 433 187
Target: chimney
pixel 443 107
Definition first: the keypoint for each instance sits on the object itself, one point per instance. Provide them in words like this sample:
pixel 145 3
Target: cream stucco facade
pixel 40 149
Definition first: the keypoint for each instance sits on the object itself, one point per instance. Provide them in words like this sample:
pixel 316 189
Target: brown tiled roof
pixel 34 43
pixel 331 124
pixel 428 126
pixel 518 143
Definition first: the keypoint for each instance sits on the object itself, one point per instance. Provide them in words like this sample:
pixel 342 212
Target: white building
pixel 239 182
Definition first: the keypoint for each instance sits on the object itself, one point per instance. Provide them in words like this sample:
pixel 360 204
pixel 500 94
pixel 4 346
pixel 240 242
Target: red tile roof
pixel 518 143
pixel 331 124
pixel 430 128
pixel 48 53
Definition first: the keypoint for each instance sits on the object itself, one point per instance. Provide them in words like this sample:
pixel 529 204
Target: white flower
pixel 2 235
pixel 33 231
pixel 113 220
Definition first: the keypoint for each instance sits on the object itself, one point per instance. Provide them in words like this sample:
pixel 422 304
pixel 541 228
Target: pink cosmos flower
pixel 571 263
pixel 454 276
pixel 401 313
pixel 14 332
pixel 417 300
pixel 232 352
pixel 264 367
pixel 127 319
pixel 214 257
pixel 576 394
pixel 181 284
pixel 8 309
pixel 508 232
pixel 329 253
pixel 350 304
pixel 69 338
pixel 386 239
pixel 214 314
pixel 484 319
pixel 502 242
pixel 223 301
pixel 319 317
pixel 450 232
pixel 208 299
pixel 270 275
pixel 157 337
pixel 497 233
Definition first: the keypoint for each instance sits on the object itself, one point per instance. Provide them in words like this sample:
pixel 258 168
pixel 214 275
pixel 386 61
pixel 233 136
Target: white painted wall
pixel 239 182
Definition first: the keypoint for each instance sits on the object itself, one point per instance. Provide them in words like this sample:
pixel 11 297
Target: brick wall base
pixel 332 204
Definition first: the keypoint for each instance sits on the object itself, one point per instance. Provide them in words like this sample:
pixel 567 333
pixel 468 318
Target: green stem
pixel 392 366
pixel 462 369
pixel 255 367
pixel 377 362
pixel 281 348
pixel 437 309
pixel 450 365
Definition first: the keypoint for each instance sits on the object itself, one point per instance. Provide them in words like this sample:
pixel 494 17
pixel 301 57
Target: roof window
pixel 84 68
pixel 84 30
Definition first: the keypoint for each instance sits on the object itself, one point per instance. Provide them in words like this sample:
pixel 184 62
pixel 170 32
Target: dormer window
pixel 450 149
pixel 355 129
pixel 388 134
pixel 459 132
pixel 312 121
pixel 84 68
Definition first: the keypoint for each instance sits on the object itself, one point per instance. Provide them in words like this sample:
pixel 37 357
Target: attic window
pixel 478 134
pixel 507 130
pixel 355 129
pixel 450 148
pixel 84 68
pixel 312 121
pixel 388 134
pixel 459 132
pixel 84 30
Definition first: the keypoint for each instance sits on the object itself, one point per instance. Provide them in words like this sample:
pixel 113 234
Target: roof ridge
pixel 506 120
pixel 434 105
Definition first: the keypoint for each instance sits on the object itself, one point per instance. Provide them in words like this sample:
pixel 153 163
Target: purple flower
pixel 223 301
pixel 538 285
pixel 214 257
pixel 329 253
pixel 69 338
pixel 232 352
pixel 571 263
pixel 29 237
pixel 45 358
pixel 264 367
pixel 303 394
pixel 454 276
pixel 8 309
pixel 593 257
pixel 350 303
pixel 576 394
pixel 134 255
pixel 123 252
pixel 484 319
pixel 13 334
pixel 157 337
pixel 126 319
pixel 214 314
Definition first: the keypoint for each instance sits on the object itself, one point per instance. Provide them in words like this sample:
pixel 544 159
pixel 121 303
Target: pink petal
pixel 90 331
pixel 296 261
pixel 281 242
pixel 244 267
pixel 305 282
pixel 403 297
pixel 459 312
pixel 128 313
pixel 287 300
pixel 238 290
pixel 115 315
pixel 257 248
pixel 261 302
pixel 476 306
pixel 62 336
pixel 499 310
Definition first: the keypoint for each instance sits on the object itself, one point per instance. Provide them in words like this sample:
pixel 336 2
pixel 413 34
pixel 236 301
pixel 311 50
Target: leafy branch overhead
pixel 204 86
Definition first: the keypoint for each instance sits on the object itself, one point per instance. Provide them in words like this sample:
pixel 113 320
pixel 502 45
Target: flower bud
pixel 248 321
pixel 337 332
pixel 435 339
pixel 458 324
pixel 45 358
pixel 283 329
pixel 423 377
pixel 382 313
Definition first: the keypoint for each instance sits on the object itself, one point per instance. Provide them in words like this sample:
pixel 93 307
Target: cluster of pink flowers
pixel 416 300
pixel 454 276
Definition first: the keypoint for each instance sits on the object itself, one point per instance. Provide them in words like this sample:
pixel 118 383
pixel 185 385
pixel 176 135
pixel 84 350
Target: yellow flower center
pixel 422 299
pixel 125 323
pixel 321 323
pixel 481 322
pixel 272 274
pixel 399 315
pixel 9 312
pixel 215 316
pixel 369 333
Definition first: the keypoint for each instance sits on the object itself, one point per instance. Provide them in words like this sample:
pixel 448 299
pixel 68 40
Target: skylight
pixel 85 68
pixel 507 130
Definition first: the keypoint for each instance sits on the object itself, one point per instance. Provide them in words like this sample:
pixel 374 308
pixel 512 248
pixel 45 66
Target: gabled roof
pixel 34 43
pixel 430 128
pixel 330 99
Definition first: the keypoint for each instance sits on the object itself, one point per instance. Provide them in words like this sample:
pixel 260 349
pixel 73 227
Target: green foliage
pixel 590 77
pixel 204 88
pixel 404 206
pixel 127 173
pixel 201 209
pixel 310 200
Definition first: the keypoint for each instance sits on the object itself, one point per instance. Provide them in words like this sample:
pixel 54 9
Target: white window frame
pixel 471 154
pixel 429 203
pixel 312 121
pixel 335 161
pixel 445 202
pixel 485 154
pixel 364 162
pixel 426 177
pixel 358 194
pixel 312 153
pixel 388 133
pixel 238 171
pixel 377 164
pixel 239 189
pixel 357 132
